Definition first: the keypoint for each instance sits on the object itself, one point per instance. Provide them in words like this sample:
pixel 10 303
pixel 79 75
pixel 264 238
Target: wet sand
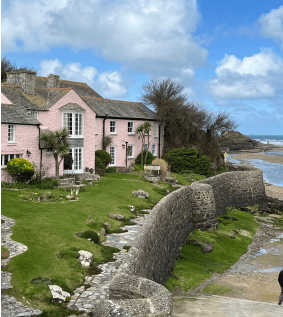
pixel 259 156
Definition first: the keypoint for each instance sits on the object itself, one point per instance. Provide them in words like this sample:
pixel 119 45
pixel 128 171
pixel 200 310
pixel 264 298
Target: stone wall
pixel 137 288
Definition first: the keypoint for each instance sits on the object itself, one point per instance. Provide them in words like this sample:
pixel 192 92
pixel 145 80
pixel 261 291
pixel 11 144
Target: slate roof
pixel 14 114
pixel 72 106
pixel 120 109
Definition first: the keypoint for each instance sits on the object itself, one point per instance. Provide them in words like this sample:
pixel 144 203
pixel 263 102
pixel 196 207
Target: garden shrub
pixel 99 166
pixel 149 159
pixel 90 234
pixel 110 170
pixel 188 159
pixel 20 169
pixel 104 156
pixel 163 166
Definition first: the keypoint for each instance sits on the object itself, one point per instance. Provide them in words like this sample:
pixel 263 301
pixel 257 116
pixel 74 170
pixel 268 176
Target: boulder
pixel 133 209
pixel 119 217
pixel 103 231
pixel 85 258
pixel 207 248
pixel 107 224
pixel 58 294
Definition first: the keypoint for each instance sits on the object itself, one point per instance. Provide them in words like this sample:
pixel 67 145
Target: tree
pixel 186 123
pixel 141 136
pixel 147 128
pixel 58 142
pixel 7 66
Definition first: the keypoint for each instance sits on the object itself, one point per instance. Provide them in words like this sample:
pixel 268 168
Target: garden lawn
pixel 231 240
pixel 49 229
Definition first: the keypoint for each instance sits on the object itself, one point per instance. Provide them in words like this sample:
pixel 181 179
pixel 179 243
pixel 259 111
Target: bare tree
pixel 8 66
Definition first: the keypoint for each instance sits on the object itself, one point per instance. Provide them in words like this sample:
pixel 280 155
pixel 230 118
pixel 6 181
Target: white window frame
pixel 49 151
pixel 95 129
pixel 145 146
pixel 131 127
pixel 155 135
pixel 132 150
pixel 11 133
pixel 153 149
pixel 34 113
pixel 75 151
pixel 113 127
pixel 9 158
pixel 113 147
pixel 74 130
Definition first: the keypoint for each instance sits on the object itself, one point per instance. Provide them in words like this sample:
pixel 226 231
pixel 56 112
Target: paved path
pixel 220 306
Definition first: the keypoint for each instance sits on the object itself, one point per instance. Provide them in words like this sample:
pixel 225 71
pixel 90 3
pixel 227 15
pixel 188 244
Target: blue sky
pixel 229 55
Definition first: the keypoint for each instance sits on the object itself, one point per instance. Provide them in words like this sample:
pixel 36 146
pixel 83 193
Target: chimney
pixel 52 81
pixel 24 79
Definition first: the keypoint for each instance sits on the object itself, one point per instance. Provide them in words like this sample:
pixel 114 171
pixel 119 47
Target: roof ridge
pixel 71 81
pixel 112 99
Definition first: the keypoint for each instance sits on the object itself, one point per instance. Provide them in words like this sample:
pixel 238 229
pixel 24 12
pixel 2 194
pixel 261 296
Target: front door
pixel 77 166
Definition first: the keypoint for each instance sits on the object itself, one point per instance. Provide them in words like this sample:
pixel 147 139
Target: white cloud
pixel 256 76
pixel 152 35
pixel 112 84
pixel 107 84
pixel 72 71
pixel 272 23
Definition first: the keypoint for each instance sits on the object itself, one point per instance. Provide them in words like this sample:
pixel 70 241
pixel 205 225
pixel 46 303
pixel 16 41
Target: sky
pixel 227 54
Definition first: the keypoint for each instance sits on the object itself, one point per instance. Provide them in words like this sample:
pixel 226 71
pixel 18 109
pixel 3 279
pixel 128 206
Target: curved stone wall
pixel 137 288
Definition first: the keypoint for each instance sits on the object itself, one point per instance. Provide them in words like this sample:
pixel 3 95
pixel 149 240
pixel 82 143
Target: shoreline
pixel 261 155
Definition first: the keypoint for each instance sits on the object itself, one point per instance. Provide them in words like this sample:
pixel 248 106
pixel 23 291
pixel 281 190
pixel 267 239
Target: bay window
pixel 73 122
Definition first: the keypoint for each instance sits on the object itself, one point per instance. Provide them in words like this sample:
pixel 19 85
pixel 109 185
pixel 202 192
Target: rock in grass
pixel 133 209
pixel 207 248
pixel 85 258
pixel 107 224
pixel 58 294
pixel 103 231
pixel 119 217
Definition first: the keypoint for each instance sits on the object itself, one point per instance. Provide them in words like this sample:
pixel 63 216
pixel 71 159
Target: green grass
pixel 194 266
pixel 217 289
pixel 49 230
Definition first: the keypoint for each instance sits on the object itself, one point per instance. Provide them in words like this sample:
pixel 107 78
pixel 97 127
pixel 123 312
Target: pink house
pixel 31 104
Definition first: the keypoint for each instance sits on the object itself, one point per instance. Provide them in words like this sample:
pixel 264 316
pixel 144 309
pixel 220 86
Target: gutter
pixel 103 133
pixel 40 164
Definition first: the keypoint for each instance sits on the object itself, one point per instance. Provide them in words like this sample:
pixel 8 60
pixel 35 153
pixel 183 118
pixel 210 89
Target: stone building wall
pixel 137 288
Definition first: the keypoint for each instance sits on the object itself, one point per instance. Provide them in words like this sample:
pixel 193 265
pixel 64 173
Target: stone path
pixel 10 307
pixel 85 298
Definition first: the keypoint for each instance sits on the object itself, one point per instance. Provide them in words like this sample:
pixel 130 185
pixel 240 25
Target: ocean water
pixel 272 172
pixel 267 139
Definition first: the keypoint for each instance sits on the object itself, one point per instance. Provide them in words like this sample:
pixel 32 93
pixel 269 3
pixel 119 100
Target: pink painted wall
pixel 53 119
pixel 121 136
pixel 26 138
pixel 5 100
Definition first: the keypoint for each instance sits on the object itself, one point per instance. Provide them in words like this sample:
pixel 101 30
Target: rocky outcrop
pixel 235 141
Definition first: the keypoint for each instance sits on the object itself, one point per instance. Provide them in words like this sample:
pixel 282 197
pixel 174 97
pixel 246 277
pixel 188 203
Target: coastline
pixel 258 156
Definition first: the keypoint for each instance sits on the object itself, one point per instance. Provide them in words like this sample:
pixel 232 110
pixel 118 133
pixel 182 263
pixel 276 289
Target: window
pixel 113 155
pixel 130 151
pixel 73 122
pixel 145 147
pixel 155 130
pixel 34 113
pixel 131 127
pixel 49 151
pixel 154 149
pixel 113 126
pixel 11 133
pixel 95 126
pixel 5 158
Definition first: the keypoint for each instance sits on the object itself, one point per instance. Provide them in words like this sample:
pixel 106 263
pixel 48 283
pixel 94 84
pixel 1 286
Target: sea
pixel 272 172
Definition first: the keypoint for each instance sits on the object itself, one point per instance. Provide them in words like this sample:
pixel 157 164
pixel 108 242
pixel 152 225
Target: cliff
pixel 235 141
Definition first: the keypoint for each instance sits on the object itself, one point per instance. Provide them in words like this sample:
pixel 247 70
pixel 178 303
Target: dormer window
pixel 73 122
pixel 34 113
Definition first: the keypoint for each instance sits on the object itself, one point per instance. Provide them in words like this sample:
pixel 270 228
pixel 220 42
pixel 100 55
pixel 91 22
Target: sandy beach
pixel 259 156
